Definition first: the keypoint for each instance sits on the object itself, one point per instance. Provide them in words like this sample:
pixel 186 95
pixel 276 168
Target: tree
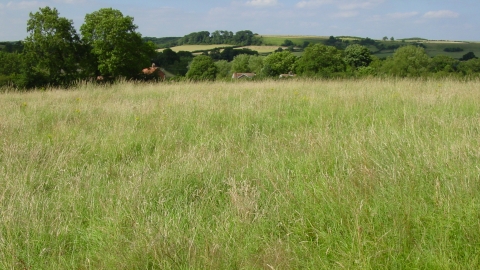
pixel 10 67
pixel 392 39
pixel 321 60
pixel 442 63
pixel 247 63
pixel 279 63
pixel 202 68
pixel 288 43
pixel 52 49
pixel 357 56
pixel 167 57
pixel 255 63
pixel 385 38
pixel 117 48
pixel 240 63
pixel 470 67
pixel 224 69
pixel 468 56
pixel 407 61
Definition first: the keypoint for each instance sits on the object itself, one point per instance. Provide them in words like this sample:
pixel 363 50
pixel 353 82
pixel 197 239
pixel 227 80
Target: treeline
pixel 324 61
pixel 163 42
pixel 54 54
pixel 108 47
pixel 11 47
pixel 240 38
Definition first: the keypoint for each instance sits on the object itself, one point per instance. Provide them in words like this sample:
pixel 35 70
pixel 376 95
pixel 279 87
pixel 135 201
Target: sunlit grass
pixel 368 174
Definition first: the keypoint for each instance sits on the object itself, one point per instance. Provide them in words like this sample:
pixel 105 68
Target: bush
pixel 202 68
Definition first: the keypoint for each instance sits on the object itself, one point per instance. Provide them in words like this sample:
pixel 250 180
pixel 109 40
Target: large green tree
pixel 117 48
pixel 357 56
pixel 202 68
pixel 53 49
pixel 224 69
pixel 320 60
pixel 470 67
pixel 240 63
pixel 279 63
pixel 407 61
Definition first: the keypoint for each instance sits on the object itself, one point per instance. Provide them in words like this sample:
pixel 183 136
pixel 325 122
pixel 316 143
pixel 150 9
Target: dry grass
pixel 293 174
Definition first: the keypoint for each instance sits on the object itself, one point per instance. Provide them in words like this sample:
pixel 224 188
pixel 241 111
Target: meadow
pixel 295 174
pixel 194 48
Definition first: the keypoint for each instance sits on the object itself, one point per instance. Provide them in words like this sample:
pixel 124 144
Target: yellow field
pixel 192 48
pixel 263 49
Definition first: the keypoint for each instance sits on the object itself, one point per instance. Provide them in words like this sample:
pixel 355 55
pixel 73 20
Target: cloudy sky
pixel 432 19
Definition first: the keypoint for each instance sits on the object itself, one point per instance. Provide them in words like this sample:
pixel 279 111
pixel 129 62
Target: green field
pixel 433 48
pixel 273 40
pixel 297 174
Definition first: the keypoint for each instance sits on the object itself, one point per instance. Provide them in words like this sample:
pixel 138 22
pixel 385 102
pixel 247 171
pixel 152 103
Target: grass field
pixel 273 40
pixel 365 174
pixel 263 49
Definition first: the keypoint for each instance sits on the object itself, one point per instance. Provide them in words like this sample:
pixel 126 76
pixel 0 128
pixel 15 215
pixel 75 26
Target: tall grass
pixel 367 174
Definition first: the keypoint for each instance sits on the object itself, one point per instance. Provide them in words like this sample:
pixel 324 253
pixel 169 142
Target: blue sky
pixel 432 19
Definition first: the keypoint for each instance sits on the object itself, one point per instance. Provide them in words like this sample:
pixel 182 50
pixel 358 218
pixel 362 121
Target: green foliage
pixel 163 42
pixel 241 38
pixel 357 56
pixel 442 63
pixel 335 42
pixel 247 63
pixel 240 63
pixel 288 43
pixel 166 58
pixel 255 63
pixel 117 48
pixel 229 53
pixel 202 68
pixel 321 60
pixel 224 69
pixel 52 49
pixel 470 67
pixel 10 63
pixel 10 47
pixel 279 63
pixel 453 49
pixel 408 61
pixel 174 62
pixel 10 68
pixel 468 56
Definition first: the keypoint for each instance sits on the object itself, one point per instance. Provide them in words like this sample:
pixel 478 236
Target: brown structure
pixel 290 74
pixel 153 72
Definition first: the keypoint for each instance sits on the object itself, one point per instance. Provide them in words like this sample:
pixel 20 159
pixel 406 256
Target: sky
pixel 430 19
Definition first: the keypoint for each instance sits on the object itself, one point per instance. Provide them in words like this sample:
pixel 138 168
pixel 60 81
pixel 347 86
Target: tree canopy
pixel 357 56
pixel 202 68
pixel 116 47
pixel 52 50
pixel 408 61
pixel 320 60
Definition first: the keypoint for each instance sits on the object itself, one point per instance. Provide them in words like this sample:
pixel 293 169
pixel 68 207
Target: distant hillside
pixel 163 42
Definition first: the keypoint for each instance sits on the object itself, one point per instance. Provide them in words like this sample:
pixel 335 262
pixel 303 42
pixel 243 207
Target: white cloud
pixel 360 4
pixel 441 14
pixel 400 15
pixel 262 3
